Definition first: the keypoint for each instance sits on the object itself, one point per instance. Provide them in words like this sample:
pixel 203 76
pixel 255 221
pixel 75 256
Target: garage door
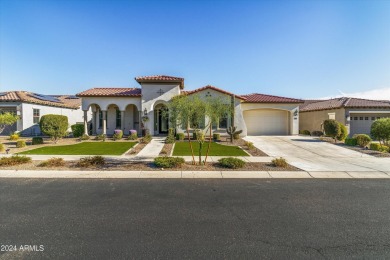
pixel 266 122
pixel 361 122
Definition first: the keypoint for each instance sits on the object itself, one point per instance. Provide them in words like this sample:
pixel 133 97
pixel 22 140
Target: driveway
pixel 311 154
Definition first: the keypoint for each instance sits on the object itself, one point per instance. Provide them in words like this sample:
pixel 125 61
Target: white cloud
pixel 376 94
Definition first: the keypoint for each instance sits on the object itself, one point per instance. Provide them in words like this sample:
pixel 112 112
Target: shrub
pixel 380 130
pixel 362 139
pixel 14 137
pixel 101 137
pixel 231 162
pixel 317 133
pixel 146 139
pixel 217 137
pixel 350 141
pixel 168 162
pixel 332 128
pixel 279 162
pixel 132 136
pixel 304 132
pixel 249 145
pixel 379 147
pixel 170 139
pixel 52 162
pixel 180 136
pixel 343 133
pixel 6 119
pixel 14 160
pixel 55 126
pixel 2 148
pixel 77 130
pixel 198 135
pixel 91 161
pixel 84 137
pixel 118 134
pixel 236 136
pixel 20 144
pixel 384 149
pixel 37 140
pixel 171 131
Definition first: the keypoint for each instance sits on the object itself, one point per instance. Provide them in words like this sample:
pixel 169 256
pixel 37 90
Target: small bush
pixel 20 144
pixel 231 162
pixel 279 162
pixel 14 137
pixel 317 133
pixel 217 137
pixel 118 134
pixel 2 148
pixel 132 136
pixel 171 131
pixel 180 136
pixel 52 162
pixel 146 139
pixel 198 135
pixel 101 137
pixel 55 126
pixel 362 139
pixel 380 130
pixel 332 128
pixel 168 162
pixel 91 161
pixel 350 141
pixel 84 137
pixel 77 130
pixel 236 136
pixel 249 145
pixel 379 147
pixel 343 133
pixel 14 160
pixel 170 139
pixel 304 132
pixel 132 131
pixel 384 149
pixel 37 140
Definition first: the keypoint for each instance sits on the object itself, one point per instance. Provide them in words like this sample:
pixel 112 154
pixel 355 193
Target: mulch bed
pixel 124 165
pixel 136 149
pixel 167 149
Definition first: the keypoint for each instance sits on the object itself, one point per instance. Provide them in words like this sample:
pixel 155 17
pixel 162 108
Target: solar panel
pixel 3 94
pixel 45 97
pixel 72 97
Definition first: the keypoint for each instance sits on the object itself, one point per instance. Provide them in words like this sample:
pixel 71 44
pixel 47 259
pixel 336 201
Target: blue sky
pixel 302 49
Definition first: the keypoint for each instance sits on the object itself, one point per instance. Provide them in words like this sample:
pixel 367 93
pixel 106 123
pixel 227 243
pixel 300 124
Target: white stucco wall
pixel 104 102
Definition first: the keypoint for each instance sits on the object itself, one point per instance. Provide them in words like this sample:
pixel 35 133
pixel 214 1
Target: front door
pixel 162 123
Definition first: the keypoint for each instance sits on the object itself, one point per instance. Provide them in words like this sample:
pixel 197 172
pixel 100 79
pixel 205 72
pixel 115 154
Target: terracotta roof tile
pixel 342 102
pixel 214 88
pixel 160 78
pixel 111 92
pixel 262 98
pixel 28 97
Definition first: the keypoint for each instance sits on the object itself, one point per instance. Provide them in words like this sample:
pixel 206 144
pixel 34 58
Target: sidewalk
pixel 193 174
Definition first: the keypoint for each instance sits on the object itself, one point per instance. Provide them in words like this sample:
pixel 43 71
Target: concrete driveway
pixel 311 154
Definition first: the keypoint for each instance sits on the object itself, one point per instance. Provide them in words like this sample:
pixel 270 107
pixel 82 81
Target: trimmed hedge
pixel 118 134
pixel 350 141
pixel 37 140
pixel 362 139
pixel 332 128
pixel 77 130
pixel 168 162
pixel 231 162
pixel 55 126
pixel 180 136
pixel 379 147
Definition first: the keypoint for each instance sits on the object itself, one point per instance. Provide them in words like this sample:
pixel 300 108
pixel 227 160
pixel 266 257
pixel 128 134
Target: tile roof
pixel 345 102
pixel 111 92
pixel 28 97
pixel 262 98
pixel 213 88
pixel 160 78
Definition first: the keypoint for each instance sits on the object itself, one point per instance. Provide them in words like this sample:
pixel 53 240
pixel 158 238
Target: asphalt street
pixel 194 219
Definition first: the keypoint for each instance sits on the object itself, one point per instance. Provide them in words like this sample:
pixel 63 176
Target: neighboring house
pixel 355 113
pixel 31 106
pixel 123 108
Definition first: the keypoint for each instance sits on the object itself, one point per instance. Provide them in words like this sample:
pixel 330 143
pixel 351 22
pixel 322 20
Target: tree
pixel 6 119
pixel 343 133
pixel 332 128
pixel 380 130
pixel 190 112
pixel 55 126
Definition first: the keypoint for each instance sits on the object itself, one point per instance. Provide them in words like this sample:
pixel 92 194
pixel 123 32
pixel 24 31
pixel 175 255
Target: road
pixel 195 219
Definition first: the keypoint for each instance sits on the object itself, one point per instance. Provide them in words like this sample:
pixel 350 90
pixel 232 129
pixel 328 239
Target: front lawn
pixel 183 149
pixel 85 148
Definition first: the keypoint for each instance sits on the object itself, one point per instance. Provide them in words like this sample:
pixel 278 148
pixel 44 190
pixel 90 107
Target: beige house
pixel 356 114
pixel 125 108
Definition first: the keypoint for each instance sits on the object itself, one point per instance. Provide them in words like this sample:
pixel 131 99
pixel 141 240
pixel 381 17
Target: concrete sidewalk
pixel 193 174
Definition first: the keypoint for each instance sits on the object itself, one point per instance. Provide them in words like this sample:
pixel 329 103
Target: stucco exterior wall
pixel 312 120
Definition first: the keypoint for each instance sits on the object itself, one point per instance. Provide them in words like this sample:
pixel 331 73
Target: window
pixel 366 118
pixel 118 119
pixel 355 118
pixel 378 117
pixel 100 119
pixel 223 122
pixel 361 118
pixel 373 118
pixel 36 114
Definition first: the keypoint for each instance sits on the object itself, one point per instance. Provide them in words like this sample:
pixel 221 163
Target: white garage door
pixel 361 122
pixel 266 122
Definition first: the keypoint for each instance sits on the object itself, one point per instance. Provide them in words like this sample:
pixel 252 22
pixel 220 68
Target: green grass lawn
pixel 183 149
pixel 85 148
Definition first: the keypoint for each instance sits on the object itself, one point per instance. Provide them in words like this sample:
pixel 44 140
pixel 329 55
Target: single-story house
pixel 355 113
pixel 31 106
pixel 123 108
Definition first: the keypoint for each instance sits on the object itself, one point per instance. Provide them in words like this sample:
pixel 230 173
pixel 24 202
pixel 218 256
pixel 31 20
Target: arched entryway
pixel 161 119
